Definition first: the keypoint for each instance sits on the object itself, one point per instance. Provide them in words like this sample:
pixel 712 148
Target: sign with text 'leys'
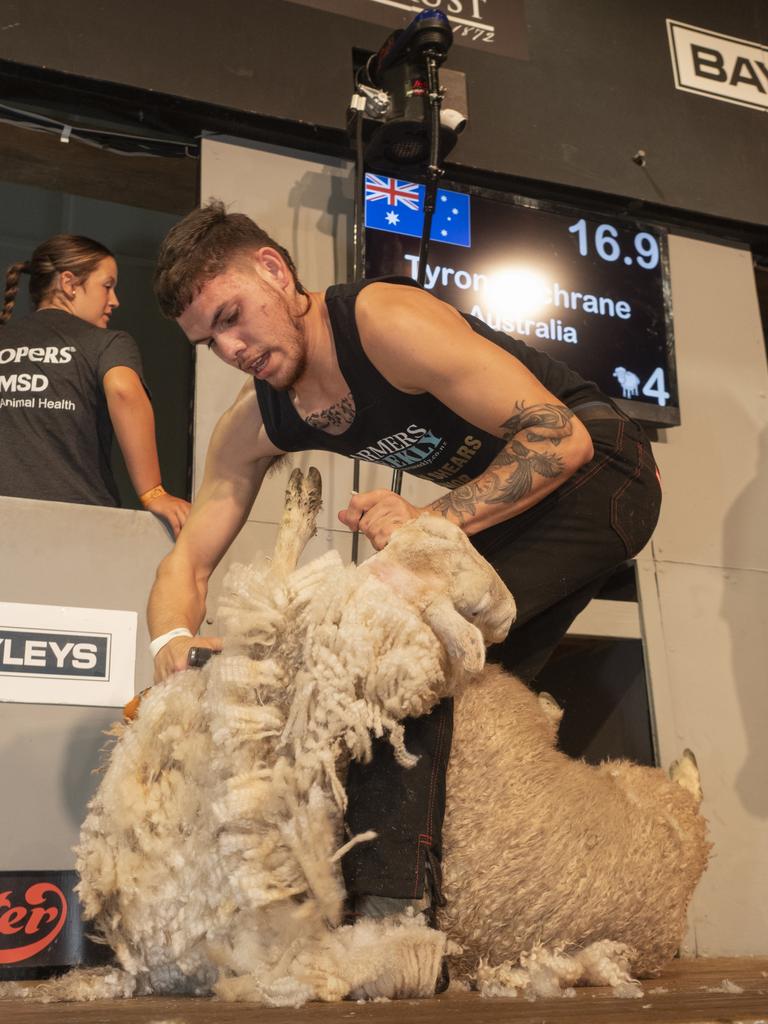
pixel 721 67
pixel 55 655
pixel 64 655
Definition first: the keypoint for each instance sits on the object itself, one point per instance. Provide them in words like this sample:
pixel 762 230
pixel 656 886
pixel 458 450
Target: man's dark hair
pixel 200 247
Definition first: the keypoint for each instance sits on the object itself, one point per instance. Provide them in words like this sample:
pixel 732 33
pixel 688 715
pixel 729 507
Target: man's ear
pixel 272 264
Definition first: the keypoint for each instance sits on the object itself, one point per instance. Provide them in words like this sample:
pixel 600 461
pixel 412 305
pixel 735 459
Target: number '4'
pixel 654 387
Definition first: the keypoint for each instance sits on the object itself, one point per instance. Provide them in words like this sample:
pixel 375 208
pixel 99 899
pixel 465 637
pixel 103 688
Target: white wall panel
pixel 703 585
pixel 714 467
pixel 713 698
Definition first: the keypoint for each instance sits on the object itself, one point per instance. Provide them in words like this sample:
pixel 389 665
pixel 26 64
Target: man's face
pixel 243 316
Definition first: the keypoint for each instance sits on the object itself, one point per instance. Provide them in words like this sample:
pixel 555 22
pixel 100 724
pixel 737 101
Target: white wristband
pixel 159 642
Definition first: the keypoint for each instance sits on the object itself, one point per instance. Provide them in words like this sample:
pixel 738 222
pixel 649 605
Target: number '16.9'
pixel 604 240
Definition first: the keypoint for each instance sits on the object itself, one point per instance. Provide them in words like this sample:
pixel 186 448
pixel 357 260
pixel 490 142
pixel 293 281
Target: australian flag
pixel 398 206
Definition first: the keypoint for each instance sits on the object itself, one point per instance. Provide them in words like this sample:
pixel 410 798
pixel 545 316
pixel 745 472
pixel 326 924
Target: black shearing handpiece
pixel 199 656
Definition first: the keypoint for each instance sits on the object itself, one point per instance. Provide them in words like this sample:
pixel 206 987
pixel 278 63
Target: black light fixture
pixel 402 93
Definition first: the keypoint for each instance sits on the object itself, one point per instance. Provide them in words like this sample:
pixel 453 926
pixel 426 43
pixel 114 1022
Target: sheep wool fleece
pixel 209 859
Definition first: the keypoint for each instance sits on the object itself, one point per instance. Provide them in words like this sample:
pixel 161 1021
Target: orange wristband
pixel 151 494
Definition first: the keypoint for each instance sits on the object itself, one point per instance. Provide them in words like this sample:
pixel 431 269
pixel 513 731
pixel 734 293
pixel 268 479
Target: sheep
pixel 209 859
pixel 543 851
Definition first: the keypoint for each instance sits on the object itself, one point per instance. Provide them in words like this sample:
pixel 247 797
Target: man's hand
pixel 173 657
pixel 377 513
pixel 173 510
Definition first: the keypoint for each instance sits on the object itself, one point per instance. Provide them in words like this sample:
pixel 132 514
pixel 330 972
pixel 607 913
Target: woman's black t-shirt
pixel 55 430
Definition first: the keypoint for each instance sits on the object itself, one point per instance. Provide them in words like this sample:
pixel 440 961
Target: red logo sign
pixel 34 923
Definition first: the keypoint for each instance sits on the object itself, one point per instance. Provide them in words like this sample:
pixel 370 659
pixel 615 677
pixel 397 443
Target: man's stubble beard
pixel 299 345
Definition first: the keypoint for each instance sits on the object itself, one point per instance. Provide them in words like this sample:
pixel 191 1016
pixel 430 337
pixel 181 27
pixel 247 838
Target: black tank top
pixel 414 433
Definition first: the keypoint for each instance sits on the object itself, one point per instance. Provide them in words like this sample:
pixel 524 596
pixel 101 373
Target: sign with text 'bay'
pixel 721 67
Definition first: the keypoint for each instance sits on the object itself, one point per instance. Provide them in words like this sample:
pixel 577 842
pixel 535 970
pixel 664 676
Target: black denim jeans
pixel 554 558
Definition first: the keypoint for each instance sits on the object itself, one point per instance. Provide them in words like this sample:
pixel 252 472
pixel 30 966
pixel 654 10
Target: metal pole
pixel 358 272
pixel 430 193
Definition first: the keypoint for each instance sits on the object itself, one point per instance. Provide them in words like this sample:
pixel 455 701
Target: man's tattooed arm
pixel 511 478
pixel 340 414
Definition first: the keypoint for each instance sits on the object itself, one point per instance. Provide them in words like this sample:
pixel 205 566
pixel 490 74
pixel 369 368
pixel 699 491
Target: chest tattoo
pixel 340 414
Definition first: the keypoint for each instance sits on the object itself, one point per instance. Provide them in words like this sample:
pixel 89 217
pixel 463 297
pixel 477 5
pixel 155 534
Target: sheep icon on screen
pixel 630 382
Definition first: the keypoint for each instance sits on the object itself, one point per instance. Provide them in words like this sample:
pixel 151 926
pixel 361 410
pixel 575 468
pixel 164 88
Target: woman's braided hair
pixel 75 253
pixel 12 276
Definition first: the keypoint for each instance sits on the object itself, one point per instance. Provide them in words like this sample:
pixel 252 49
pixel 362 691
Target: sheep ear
pixel 463 641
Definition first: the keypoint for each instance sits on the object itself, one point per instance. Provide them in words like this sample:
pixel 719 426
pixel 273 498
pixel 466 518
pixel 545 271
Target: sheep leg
pixel 303 500
pixel 686 773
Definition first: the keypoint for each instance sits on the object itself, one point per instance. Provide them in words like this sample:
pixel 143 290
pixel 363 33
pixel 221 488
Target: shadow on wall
pixel 330 193
pixel 745 610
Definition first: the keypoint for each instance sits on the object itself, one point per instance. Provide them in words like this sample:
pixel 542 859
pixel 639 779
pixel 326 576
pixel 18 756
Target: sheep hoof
pixel 685 772
pixel 303 498
pixel 304 493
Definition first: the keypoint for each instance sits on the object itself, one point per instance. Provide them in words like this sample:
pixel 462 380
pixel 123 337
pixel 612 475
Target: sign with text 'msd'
pixel 55 655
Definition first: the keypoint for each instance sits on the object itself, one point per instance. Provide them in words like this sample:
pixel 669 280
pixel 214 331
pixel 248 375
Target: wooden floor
pixel 688 991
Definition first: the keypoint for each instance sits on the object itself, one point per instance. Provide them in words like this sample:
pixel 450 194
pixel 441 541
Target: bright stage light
pixel 516 292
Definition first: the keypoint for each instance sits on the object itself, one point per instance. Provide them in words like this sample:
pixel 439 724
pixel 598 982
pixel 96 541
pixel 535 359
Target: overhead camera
pixel 397 85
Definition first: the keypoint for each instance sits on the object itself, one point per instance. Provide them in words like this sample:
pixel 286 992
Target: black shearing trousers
pixel 554 558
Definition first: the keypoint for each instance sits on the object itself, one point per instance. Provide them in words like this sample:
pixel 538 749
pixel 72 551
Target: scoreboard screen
pixel 590 291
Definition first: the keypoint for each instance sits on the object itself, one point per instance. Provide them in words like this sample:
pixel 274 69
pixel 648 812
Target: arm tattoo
pixel 543 423
pixel 340 414
pixel 510 476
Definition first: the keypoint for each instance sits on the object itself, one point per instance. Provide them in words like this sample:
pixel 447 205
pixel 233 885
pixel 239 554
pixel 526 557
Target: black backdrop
pixel 596 85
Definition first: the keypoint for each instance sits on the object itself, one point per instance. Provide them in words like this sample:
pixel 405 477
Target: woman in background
pixel 67 382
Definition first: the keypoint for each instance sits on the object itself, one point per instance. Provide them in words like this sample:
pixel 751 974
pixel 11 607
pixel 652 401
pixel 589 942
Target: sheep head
pixel 430 562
